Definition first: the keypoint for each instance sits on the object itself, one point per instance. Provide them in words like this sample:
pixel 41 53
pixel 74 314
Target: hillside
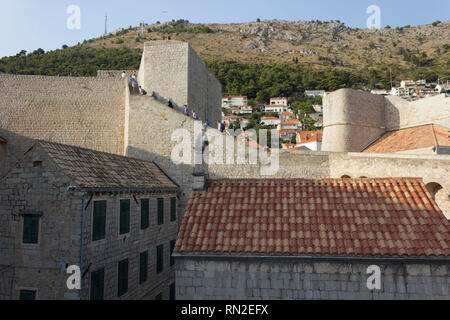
pixel 316 44
pixel 268 58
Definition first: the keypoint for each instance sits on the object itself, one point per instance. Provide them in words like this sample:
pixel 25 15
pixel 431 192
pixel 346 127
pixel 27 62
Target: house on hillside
pixel 315 93
pixel 291 124
pixel 270 121
pixel 277 109
pixel 234 101
pixel 279 101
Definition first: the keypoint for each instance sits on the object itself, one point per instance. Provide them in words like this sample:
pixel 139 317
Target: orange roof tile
pixel 410 139
pixel 337 217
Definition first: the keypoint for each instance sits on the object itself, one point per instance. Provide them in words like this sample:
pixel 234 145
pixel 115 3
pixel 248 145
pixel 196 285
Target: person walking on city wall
pixel 194 115
pixel 142 92
pixel 186 110
pixel 124 74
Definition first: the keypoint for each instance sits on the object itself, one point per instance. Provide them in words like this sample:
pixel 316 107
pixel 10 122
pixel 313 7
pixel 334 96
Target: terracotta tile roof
pixel 270 118
pixel 91 169
pixel 410 139
pixel 338 217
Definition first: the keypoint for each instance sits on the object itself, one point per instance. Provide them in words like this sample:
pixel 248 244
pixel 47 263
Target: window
pixel 159 259
pixel 122 283
pixel 145 213
pixel 97 284
pixel 172 246
pixel 27 295
pixel 172 291
pixel 99 221
pixel 30 229
pixel 173 209
pixel 143 267
pixel 160 211
pixel 159 296
pixel 124 216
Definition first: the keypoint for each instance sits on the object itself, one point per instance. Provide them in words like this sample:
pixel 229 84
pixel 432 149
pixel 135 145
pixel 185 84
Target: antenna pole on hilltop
pixel 106 23
pixel 142 29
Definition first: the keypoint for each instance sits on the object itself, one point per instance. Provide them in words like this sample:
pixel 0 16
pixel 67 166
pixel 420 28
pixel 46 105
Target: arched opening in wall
pixel 363 177
pixel 433 188
pixel 346 177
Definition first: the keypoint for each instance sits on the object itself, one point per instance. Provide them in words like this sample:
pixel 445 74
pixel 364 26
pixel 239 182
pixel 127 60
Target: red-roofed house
pixel 291 124
pixel 273 239
pixel 270 121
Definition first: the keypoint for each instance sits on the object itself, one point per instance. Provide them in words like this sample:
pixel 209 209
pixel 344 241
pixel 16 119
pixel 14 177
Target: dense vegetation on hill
pixel 80 59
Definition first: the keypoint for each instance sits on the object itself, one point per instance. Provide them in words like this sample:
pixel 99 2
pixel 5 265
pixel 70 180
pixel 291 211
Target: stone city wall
pixel 84 112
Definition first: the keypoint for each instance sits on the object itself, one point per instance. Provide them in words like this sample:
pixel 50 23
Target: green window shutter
pixel 124 216
pixel 99 221
pixel 172 291
pixel 159 259
pixel 145 213
pixel 160 211
pixel 30 229
pixel 97 284
pixel 172 246
pixel 122 285
pixel 173 209
pixel 143 267
pixel 27 295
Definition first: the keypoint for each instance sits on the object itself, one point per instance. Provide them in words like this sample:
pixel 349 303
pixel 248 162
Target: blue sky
pixel 31 24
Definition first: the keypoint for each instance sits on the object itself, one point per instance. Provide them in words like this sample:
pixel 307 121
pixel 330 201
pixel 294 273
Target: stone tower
pixel 174 71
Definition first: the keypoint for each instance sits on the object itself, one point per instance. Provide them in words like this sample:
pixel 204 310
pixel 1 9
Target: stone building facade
pixel 62 206
pixel 272 239
pixel 283 278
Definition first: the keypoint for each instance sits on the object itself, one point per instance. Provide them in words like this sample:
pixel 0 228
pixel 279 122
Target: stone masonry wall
pixel 85 112
pixel 281 279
